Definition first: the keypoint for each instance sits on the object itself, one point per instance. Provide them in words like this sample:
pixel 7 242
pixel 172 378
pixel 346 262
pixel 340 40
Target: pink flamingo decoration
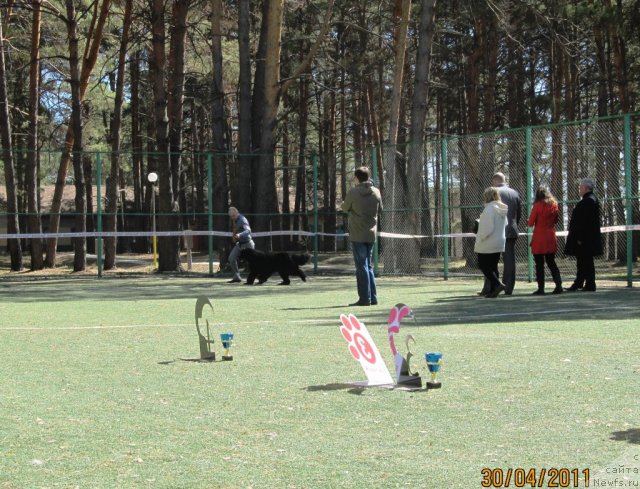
pixel 396 315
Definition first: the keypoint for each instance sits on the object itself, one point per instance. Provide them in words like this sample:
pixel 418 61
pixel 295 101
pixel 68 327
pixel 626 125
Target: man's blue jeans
pixel 362 255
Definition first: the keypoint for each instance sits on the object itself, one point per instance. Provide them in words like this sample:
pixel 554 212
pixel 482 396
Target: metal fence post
pixel 99 212
pixel 374 176
pixel 628 197
pixel 210 210
pixel 314 160
pixel 444 147
pixel 529 176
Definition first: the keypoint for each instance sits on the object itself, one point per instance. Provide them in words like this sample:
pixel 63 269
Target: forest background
pixel 157 85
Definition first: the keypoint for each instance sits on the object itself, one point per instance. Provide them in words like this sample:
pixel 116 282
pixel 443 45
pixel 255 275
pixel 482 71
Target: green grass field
pixel 94 394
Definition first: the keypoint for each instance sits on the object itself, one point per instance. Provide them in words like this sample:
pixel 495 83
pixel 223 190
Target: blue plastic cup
pixel 226 339
pixel 433 361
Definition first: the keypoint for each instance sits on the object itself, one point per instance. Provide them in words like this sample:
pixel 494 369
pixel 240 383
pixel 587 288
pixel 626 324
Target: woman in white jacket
pixel 490 239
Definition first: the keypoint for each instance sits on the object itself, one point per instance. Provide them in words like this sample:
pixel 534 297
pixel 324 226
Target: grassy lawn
pixel 94 394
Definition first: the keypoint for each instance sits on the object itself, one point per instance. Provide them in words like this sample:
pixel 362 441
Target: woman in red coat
pixel 543 220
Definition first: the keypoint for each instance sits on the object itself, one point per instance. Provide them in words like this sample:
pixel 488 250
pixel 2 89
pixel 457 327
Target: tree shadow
pixel 151 287
pixel 630 436
pixel 468 308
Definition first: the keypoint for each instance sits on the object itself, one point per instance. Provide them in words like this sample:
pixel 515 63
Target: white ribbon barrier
pixel 133 234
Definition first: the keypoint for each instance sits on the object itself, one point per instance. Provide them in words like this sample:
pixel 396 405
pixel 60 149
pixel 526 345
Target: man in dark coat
pixel 584 240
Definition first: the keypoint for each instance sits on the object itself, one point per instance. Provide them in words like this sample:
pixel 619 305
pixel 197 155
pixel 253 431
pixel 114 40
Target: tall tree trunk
pixel 111 208
pixel 175 88
pixel 286 179
pixel 218 119
pixel 168 246
pixel 139 176
pixel 13 226
pixel 258 104
pixel 35 224
pixel 330 221
pixel 393 191
pixel 89 61
pixel 472 179
pixel 265 182
pixel 300 206
pixel 400 52
pixel 416 131
pixel 376 136
pixel 87 169
pixel 241 196
pixel 624 96
pixel 556 76
pixel 80 243
pixel 200 171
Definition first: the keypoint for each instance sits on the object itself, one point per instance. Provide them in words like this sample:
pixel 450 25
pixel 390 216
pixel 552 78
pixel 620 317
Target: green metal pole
pixel 314 159
pixel 99 211
pixel 374 176
pixel 210 209
pixel 529 174
pixel 628 186
pixel 444 147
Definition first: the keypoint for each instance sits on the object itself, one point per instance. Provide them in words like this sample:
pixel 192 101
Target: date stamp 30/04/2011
pixel 521 477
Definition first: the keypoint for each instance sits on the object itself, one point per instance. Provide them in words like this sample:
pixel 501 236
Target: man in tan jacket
pixel 363 203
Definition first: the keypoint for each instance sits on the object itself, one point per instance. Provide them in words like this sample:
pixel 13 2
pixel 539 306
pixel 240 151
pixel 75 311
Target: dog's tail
pixel 300 259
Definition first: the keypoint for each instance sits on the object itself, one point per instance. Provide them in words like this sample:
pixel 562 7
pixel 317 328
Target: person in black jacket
pixel 584 239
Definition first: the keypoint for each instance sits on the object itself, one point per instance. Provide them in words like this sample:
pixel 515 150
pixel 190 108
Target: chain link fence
pixel 450 174
pixel 432 194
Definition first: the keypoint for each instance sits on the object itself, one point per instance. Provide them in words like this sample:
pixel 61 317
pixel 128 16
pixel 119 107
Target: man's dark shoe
pixel 360 303
pixel 374 303
pixel 573 288
pixel 589 288
pixel 538 292
pixel 494 293
pixel 557 290
pixel 234 281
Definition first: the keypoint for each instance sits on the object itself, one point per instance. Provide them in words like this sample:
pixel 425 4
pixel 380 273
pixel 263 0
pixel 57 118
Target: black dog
pixel 264 264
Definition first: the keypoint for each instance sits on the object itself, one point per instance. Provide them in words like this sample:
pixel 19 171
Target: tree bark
pixel 35 223
pixel 220 143
pixel 80 243
pixel 13 227
pixel 112 195
pixel 175 88
pixel 168 246
pixel 139 177
pixel 241 195
pixel 265 181
pixel 416 131
pixel 89 61
pixel 265 184
pixel 393 191
pixel 258 105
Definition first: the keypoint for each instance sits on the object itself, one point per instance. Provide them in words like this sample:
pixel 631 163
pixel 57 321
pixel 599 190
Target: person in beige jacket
pixel 363 203
pixel 490 239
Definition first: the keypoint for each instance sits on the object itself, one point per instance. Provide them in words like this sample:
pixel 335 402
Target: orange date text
pixel 520 477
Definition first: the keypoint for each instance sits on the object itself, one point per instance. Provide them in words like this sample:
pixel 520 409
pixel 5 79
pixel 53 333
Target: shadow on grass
pixel 630 436
pixel 350 388
pixel 341 306
pixel 354 389
pixel 433 302
pixel 462 307
pixel 156 287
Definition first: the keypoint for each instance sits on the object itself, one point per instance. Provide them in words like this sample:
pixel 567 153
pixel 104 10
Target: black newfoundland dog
pixel 264 264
